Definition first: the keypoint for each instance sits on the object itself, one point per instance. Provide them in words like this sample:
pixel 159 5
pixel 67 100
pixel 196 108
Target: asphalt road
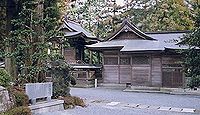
pixel 97 100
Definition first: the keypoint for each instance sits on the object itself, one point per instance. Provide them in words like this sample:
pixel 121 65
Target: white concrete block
pixel 143 106
pixel 154 107
pixel 113 103
pixel 188 110
pixel 176 109
pixel 164 108
pixel 41 107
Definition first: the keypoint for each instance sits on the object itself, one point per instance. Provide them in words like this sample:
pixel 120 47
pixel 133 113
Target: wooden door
pixel 172 77
pixel 110 74
pixel 125 73
pixel 125 69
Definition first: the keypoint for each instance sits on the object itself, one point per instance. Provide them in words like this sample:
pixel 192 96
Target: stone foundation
pixel 50 106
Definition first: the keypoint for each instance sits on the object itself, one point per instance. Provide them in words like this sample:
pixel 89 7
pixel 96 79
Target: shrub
pixel 73 101
pixel 23 110
pixel 19 96
pixel 5 78
pixel 194 81
pixel 78 101
pixel 61 78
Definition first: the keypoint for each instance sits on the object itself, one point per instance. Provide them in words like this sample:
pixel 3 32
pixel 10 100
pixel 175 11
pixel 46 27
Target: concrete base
pixel 110 85
pixel 41 107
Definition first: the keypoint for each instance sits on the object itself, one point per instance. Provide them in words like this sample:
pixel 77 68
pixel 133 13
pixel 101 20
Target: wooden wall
pixel 70 55
pixel 110 68
pixel 110 74
pixel 172 74
pixel 141 75
pixel 140 72
pixel 156 71
pixel 125 73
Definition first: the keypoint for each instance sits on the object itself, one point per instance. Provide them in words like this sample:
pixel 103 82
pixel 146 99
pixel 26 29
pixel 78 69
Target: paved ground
pixel 98 99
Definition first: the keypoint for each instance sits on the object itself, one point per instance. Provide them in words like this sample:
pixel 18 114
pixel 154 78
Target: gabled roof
pixel 126 26
pixel 162 42
pixel 72 29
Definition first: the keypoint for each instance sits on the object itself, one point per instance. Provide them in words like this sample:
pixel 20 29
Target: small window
pixel 140 60
pixel 124 60
pixel 110 61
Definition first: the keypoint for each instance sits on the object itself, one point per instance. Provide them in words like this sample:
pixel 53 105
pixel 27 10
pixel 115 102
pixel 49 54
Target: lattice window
pixel 110 61
pixel 124 60
pixel 140 60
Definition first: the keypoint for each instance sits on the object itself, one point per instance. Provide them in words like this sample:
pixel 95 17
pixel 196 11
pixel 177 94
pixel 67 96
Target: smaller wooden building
pixel 142 59
pixel 76 39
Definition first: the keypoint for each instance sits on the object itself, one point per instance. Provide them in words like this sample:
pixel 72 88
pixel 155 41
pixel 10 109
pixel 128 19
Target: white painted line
pixel 176 109
pixel 188 110
pixel 143 106
pixel 154 107
pixel 113 103
pixel 164 108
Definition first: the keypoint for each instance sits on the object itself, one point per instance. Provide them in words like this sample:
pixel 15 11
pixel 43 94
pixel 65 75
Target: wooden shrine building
pixel 142 59
pixel 77 38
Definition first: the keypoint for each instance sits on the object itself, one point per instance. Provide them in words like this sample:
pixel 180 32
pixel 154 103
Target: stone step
pixel 47 106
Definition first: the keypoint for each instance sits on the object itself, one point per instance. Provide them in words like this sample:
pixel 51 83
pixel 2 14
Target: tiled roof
pixel 74 29
pixel 126 26
pixel 162 42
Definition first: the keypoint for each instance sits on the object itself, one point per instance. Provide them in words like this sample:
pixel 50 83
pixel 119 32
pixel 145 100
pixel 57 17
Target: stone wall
pixel 5 101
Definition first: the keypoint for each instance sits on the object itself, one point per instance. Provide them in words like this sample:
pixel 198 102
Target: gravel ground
pixel 106 95
pixel 156 99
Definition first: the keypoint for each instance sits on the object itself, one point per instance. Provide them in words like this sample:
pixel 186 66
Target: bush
pixel 61 78
pixel 19 96
pixel 23 110
pixel 5 78
pixel 194 81
pixel 72 101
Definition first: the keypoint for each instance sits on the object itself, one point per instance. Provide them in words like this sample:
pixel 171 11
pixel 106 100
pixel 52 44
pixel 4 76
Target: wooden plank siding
pixel 110 74
pixel 127 68
pixel 156 71
pixel 125 73
pixel 111 67
pixel 172 72
pixel 141 75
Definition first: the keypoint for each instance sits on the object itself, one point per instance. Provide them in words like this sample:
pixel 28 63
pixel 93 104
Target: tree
pixel 33 26
pixel 192 60
pixel 168 15
pixel 2 27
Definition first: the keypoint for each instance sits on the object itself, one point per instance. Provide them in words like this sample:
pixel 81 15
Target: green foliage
pixel 194 81
pixel 192 60
pixel 2 26
pixel 33 26
pixel 94 57
pixel 23 110
pixel 5 78
pixel 192 63
pixel 102 17
pixel 62 78
pixel 168 15
pixel 21 99
pixel 19 96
